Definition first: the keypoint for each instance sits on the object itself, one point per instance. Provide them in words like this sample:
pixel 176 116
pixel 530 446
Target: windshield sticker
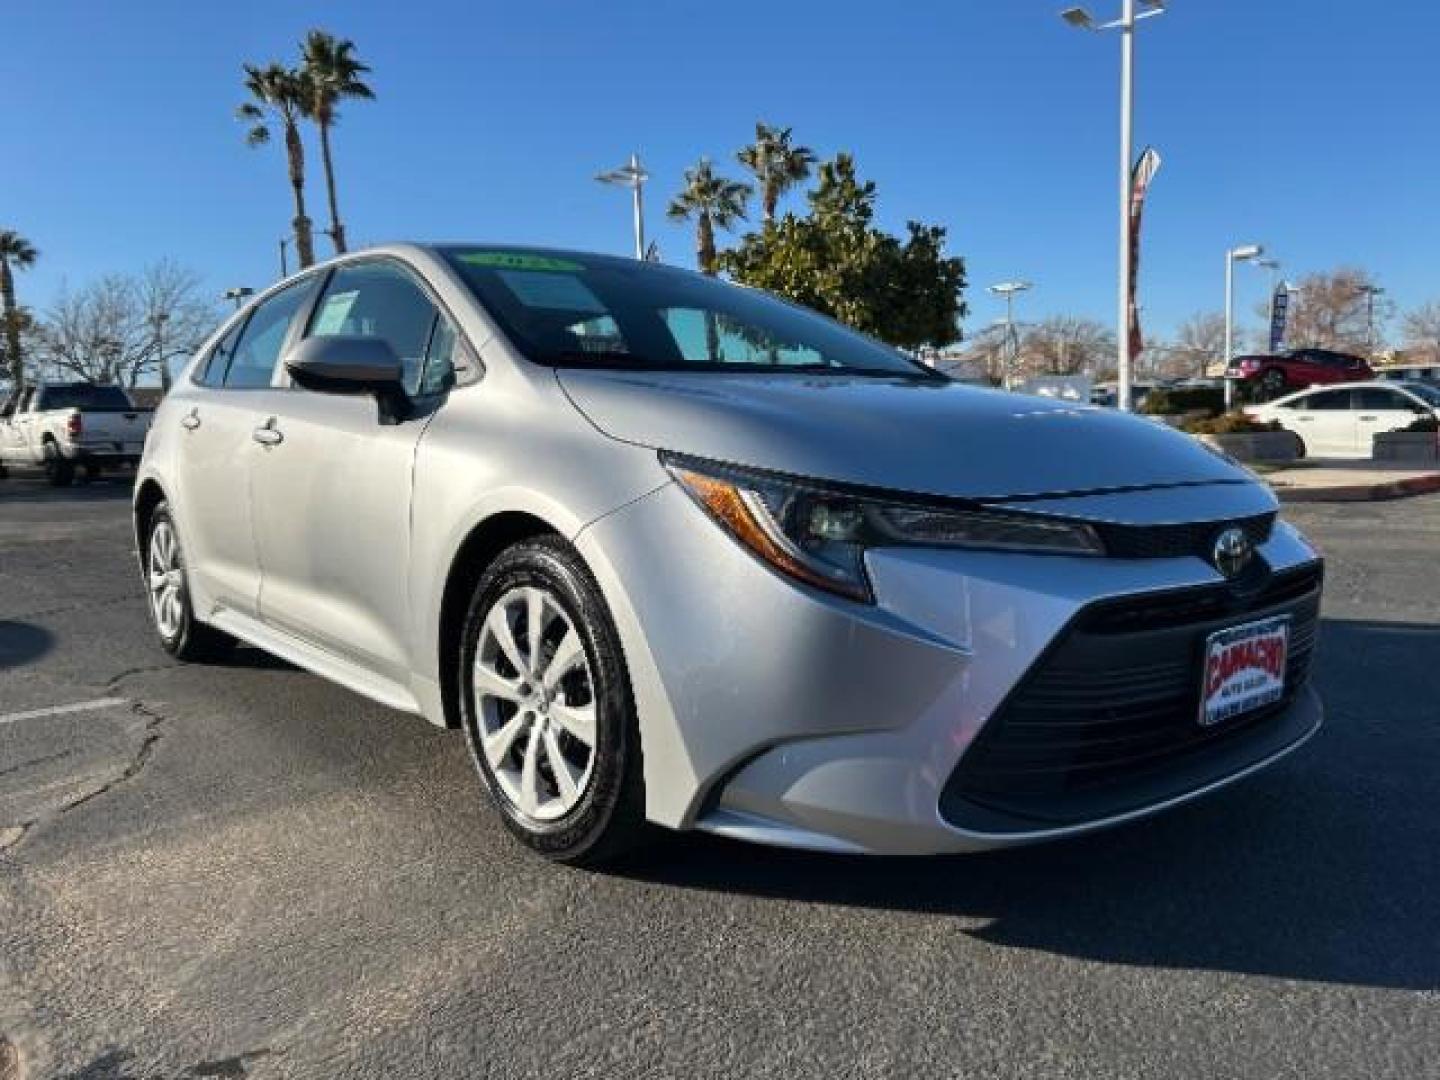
pixel 330 320
pixel 516 260
pixel 549 291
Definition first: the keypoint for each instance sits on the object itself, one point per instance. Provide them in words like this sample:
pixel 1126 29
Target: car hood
pixel 937 438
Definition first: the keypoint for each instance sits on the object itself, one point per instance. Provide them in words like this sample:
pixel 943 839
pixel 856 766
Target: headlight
pixel 819 535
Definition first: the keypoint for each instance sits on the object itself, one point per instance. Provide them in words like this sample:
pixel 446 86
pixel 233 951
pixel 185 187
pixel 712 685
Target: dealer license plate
pixel 1244 669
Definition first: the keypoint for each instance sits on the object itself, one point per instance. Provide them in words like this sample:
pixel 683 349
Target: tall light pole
pixel 238 294
pixel 1081 19
pixel 158 319
pixel 1244 253
pixel 1371 291
pixel 633 176
pixel 1008 289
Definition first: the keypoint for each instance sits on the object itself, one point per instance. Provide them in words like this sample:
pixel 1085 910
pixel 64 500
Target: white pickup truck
pixel 62 427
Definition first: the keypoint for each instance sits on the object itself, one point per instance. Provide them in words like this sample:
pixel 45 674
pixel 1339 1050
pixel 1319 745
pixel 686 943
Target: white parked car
pixel 1342 421
pixel 64 426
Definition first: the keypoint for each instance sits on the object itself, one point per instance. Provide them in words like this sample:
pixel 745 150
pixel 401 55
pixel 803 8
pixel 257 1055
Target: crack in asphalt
pixel 129 673
pixel 14 835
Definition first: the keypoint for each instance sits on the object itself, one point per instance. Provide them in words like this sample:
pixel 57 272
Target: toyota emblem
pixel 1233 551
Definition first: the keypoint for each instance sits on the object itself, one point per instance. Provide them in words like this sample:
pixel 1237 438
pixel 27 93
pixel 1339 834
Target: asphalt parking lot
pixel 245 871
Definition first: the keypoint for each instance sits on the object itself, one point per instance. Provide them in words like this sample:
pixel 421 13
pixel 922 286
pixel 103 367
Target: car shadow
pixel 21 643
pixel 1322 868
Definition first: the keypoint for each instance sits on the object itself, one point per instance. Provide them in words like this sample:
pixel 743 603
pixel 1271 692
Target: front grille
pixel 1115 701
pixel 1174 541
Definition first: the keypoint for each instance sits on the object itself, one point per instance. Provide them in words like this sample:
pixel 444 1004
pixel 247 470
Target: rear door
pixel 332 493
pixel 1324 420
pixel 217 419
pixel 1379 409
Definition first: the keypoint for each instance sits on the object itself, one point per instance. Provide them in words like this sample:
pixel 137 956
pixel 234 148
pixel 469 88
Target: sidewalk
pixel 1344 481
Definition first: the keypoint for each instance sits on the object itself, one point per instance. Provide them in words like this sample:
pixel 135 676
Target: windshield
pixel 82 396
pixel 1429 393
pixel 601 312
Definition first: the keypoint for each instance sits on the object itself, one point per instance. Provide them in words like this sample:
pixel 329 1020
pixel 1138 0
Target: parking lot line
pixel 61 710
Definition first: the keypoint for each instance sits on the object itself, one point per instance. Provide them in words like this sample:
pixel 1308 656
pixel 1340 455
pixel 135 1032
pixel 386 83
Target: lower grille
pixel 1115 701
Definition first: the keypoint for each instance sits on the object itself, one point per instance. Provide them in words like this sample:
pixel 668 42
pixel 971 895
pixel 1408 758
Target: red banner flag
pixel 1146 166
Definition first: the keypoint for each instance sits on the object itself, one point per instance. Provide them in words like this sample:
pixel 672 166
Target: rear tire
pixel 1299 448
pixel 1272 383
pixel 531 696
pixel 58 471
pixel 167 589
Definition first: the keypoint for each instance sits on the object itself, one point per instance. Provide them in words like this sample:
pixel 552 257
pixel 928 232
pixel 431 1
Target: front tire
pixel 167 589
pixel 547 707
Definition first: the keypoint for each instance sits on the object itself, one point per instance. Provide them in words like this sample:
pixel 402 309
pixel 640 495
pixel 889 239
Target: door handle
pixel 269 434
pixel 191 420
pixel 1369 418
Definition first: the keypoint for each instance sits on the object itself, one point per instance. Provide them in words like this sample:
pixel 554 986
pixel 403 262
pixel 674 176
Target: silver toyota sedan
pixel 674 552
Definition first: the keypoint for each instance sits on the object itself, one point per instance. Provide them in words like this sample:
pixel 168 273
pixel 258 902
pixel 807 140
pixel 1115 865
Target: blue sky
pixel 1308 126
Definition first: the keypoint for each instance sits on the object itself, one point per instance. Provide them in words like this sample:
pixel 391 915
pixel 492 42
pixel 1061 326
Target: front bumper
pixel 774 713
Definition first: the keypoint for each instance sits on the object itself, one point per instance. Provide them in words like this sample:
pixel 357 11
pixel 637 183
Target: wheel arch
pixel 148 496
pixel 485 541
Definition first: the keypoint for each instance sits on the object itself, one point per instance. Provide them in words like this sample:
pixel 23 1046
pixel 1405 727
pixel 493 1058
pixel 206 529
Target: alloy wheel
pixel 166 580
pixel 535 703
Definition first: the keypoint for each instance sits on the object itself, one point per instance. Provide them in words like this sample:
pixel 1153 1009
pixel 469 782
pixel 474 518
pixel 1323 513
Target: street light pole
pixel 1008 289
pixel 1371 291
pixel 160 351
pixel 1082 20
pixel 1127 118
pixel 632 175
pixel 238 294
pixel 1243 253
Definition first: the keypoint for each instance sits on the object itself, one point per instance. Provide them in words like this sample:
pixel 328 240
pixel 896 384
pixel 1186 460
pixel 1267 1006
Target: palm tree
pixel 16 253
pixel 714 202
pixel 282 96
pixel 334 75
pixel 778 166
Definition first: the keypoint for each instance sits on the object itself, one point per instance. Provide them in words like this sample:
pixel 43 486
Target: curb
pixel 1392 489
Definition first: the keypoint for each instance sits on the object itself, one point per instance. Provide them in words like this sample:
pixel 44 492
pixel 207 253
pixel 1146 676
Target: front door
pixel 1379 409
pixel 332 491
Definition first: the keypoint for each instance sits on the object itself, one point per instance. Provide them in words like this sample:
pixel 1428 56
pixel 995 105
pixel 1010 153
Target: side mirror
pixel 352 364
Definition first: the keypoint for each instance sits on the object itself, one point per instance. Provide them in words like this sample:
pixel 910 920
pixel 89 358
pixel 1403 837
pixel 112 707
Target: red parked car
pixel 1298 369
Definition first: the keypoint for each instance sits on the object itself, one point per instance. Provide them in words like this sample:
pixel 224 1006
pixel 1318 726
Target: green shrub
pixel 1184 399
pixel 1235 423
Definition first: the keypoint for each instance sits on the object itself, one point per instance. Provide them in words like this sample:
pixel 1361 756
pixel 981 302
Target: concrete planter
pixel 1422 446
pixel 1258 446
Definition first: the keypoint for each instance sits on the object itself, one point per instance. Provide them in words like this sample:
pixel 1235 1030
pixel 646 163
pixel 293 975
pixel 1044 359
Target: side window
pixel 252 363
pixel 1380 398
pixel 379 299
pixel 441 359
pixel 1328 400
pixel 212 372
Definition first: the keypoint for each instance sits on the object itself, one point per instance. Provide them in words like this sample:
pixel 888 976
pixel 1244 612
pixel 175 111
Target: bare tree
pixel 1338 309
pixel 1199 343
pixel 1422 325
pixel 121 327
pixel 1066 345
